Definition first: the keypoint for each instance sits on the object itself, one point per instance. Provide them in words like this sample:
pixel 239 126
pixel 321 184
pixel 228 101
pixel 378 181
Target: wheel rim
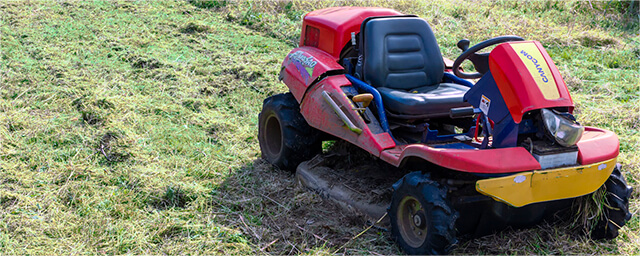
pixel 412 221
pixel 273 136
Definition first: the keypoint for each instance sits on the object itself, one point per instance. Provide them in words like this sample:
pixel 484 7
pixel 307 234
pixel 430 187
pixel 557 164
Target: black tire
pixel 285 137
pixel 616 208
pixel 427 228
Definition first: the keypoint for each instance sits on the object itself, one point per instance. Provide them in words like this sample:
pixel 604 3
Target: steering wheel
pixel 480 60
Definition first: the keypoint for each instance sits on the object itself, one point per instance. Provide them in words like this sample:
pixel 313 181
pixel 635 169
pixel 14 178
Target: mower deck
pixel 364 187
pixel 350 188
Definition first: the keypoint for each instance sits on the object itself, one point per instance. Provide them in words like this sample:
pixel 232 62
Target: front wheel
pixel 422 220
pixel 285 137
pixel 616 207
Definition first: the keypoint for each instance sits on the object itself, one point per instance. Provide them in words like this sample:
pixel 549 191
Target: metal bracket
pixel 340 113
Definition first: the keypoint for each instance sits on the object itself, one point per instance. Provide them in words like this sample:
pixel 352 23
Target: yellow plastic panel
pixel 541 186
pixel 539 69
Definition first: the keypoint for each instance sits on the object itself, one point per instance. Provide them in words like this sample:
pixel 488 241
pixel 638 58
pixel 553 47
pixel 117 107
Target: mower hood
pixel 527 78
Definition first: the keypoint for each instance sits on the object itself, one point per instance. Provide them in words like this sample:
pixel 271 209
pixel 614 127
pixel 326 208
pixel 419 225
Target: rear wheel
pixel 422 220
pixel 616 207
pixel 285 137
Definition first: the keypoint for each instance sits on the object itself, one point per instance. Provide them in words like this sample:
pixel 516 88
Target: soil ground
pixel 319 221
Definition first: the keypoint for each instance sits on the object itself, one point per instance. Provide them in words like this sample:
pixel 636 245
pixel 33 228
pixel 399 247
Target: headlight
pixel 564 130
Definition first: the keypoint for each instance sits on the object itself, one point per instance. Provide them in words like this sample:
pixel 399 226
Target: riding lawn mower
pixel 491 148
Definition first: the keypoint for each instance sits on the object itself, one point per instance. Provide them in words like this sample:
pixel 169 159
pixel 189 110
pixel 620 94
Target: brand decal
pixel 304 60
pixel 304 64
pixel 538 66
pixel 533 61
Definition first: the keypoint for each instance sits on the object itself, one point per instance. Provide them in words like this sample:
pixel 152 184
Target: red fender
pixel 511 160
pixel 597 145
pixel 303 66
pixel 319 114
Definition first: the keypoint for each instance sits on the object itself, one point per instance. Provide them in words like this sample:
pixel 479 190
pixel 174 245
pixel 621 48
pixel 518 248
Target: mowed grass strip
pixel 119 120
pixel 130 127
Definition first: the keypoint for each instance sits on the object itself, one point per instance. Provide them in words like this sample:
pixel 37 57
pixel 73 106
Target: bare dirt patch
pixel 281 217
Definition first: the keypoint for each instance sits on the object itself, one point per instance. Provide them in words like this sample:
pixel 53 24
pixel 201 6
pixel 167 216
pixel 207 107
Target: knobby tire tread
pixel 616 210
pixel 441 237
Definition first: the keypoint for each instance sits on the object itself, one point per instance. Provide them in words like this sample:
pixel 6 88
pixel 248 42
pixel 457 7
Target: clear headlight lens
pixel 566 131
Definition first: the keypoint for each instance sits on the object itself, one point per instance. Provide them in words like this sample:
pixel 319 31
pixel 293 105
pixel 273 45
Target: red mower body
pixel 330 29
pixel 314 68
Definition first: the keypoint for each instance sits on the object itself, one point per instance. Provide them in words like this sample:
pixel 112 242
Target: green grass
pixel 130 127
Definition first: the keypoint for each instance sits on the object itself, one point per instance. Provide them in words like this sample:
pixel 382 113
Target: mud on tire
pixel 422 220
pixel 285 137
pixel 616 208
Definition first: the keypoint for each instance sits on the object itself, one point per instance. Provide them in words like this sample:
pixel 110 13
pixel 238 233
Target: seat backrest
pixel 400 53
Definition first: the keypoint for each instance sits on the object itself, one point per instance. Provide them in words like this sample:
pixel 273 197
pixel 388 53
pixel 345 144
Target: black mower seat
pixel 402 59
pixel 424 102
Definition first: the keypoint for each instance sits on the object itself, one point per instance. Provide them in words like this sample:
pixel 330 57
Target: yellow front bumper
pixel 546 185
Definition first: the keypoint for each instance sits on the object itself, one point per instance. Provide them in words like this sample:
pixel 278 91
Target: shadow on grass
pixel 278 216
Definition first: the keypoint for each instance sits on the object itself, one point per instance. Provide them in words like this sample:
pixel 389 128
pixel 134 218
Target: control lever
pixel 365 98
pixel 464 44
pixel 463 112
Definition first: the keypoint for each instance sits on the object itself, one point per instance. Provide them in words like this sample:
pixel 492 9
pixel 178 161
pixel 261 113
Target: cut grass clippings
pixel 130 127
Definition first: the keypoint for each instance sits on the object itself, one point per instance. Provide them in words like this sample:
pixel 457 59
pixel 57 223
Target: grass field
pixel 130 126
